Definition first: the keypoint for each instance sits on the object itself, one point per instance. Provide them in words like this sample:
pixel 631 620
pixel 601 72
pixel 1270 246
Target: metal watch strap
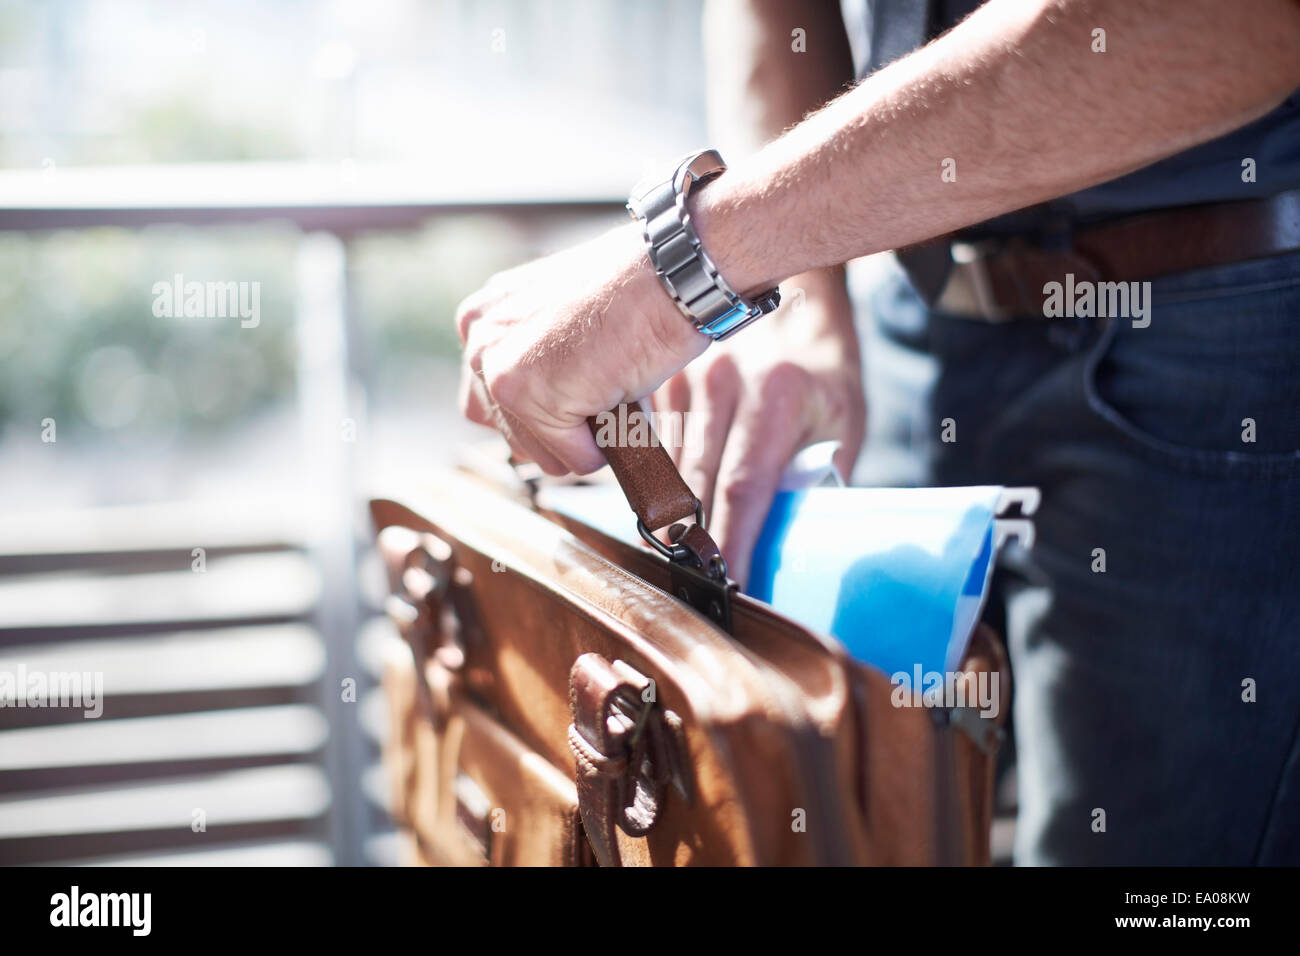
pixel 688 275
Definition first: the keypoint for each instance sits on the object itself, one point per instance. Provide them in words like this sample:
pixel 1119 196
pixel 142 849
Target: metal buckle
pixel 676 553
pixel 970 262
pixel 1022 269
pixel 696 568
pixel 701 580
pixel 709 595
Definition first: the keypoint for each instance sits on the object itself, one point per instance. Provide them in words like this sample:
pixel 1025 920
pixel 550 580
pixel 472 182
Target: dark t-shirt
pixel 1211 172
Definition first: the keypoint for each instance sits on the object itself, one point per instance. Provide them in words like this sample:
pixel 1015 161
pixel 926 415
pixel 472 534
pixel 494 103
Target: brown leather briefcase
pixel 570 700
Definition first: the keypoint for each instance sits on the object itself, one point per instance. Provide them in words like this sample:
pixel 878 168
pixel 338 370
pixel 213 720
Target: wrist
pixel 689 275
pixel 719 215
pixel 665 336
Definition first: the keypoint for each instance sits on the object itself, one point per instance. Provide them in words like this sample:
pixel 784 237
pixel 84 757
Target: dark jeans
pixel 1133 685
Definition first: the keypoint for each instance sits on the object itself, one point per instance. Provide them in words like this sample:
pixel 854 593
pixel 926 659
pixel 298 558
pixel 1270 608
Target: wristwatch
pixel 686 271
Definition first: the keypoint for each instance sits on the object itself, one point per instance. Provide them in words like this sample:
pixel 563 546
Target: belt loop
pixel 928 266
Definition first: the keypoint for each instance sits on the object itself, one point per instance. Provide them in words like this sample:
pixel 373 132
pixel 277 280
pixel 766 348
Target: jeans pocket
pixel 1212 387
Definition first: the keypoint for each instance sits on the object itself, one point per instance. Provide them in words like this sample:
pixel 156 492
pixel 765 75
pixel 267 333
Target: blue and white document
pixel 898 575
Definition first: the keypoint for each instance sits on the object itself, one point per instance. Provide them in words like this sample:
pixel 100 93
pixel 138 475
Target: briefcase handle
pixel 660 498
pixel 647 475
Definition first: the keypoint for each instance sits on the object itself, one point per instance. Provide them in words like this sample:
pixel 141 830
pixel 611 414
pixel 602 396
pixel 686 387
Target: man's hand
pixel 791 379
pixel 549 343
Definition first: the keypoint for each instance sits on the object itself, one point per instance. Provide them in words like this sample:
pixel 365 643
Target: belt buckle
pixel 971 259
pixel 1022 268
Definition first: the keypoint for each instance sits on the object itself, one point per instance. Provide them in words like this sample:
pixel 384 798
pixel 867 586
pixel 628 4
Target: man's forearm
pixel 1016 107
pixel 759 86
pixel 1014 96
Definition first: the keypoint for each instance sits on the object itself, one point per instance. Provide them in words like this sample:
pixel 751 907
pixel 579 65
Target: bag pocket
pixel 499 801
pixel 469 792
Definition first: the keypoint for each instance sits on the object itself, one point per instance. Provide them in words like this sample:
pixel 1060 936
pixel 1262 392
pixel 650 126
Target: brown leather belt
pixel 998 279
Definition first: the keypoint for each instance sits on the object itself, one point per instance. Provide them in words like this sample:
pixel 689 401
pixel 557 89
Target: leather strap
pixel 625 754
pixel 599 752
pixel 1003 279
pixel 646 473
pixel 1193 237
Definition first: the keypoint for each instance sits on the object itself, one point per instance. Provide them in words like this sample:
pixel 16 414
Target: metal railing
pixel 330 204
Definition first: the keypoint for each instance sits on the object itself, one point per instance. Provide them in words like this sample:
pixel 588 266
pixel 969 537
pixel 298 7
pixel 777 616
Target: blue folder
pixel 898 575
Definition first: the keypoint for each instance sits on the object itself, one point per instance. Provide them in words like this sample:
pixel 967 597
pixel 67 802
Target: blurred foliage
pixel 406 286
pixel 182 127
pixel 78 339
pixel 81 344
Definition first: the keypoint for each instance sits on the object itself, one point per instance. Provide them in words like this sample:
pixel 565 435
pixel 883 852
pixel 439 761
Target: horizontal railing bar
pixel 33 850
pixel 263 794
pixel 286 730
pixel 265 853
pixel 337 219
pixel 127 559
pixel 333 197
pixel 279 584
pixel 163 703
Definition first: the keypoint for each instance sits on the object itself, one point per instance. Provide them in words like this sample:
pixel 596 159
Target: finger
pixel 474 306
pixel 674 397
pixel 717 393
pixel 478 407
pixel 851 430
pixel 851 446
pixel 574 446
pixel 473 398
pixel 560 446
pixel 764 437
pixel 526 445
pixel 475 402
